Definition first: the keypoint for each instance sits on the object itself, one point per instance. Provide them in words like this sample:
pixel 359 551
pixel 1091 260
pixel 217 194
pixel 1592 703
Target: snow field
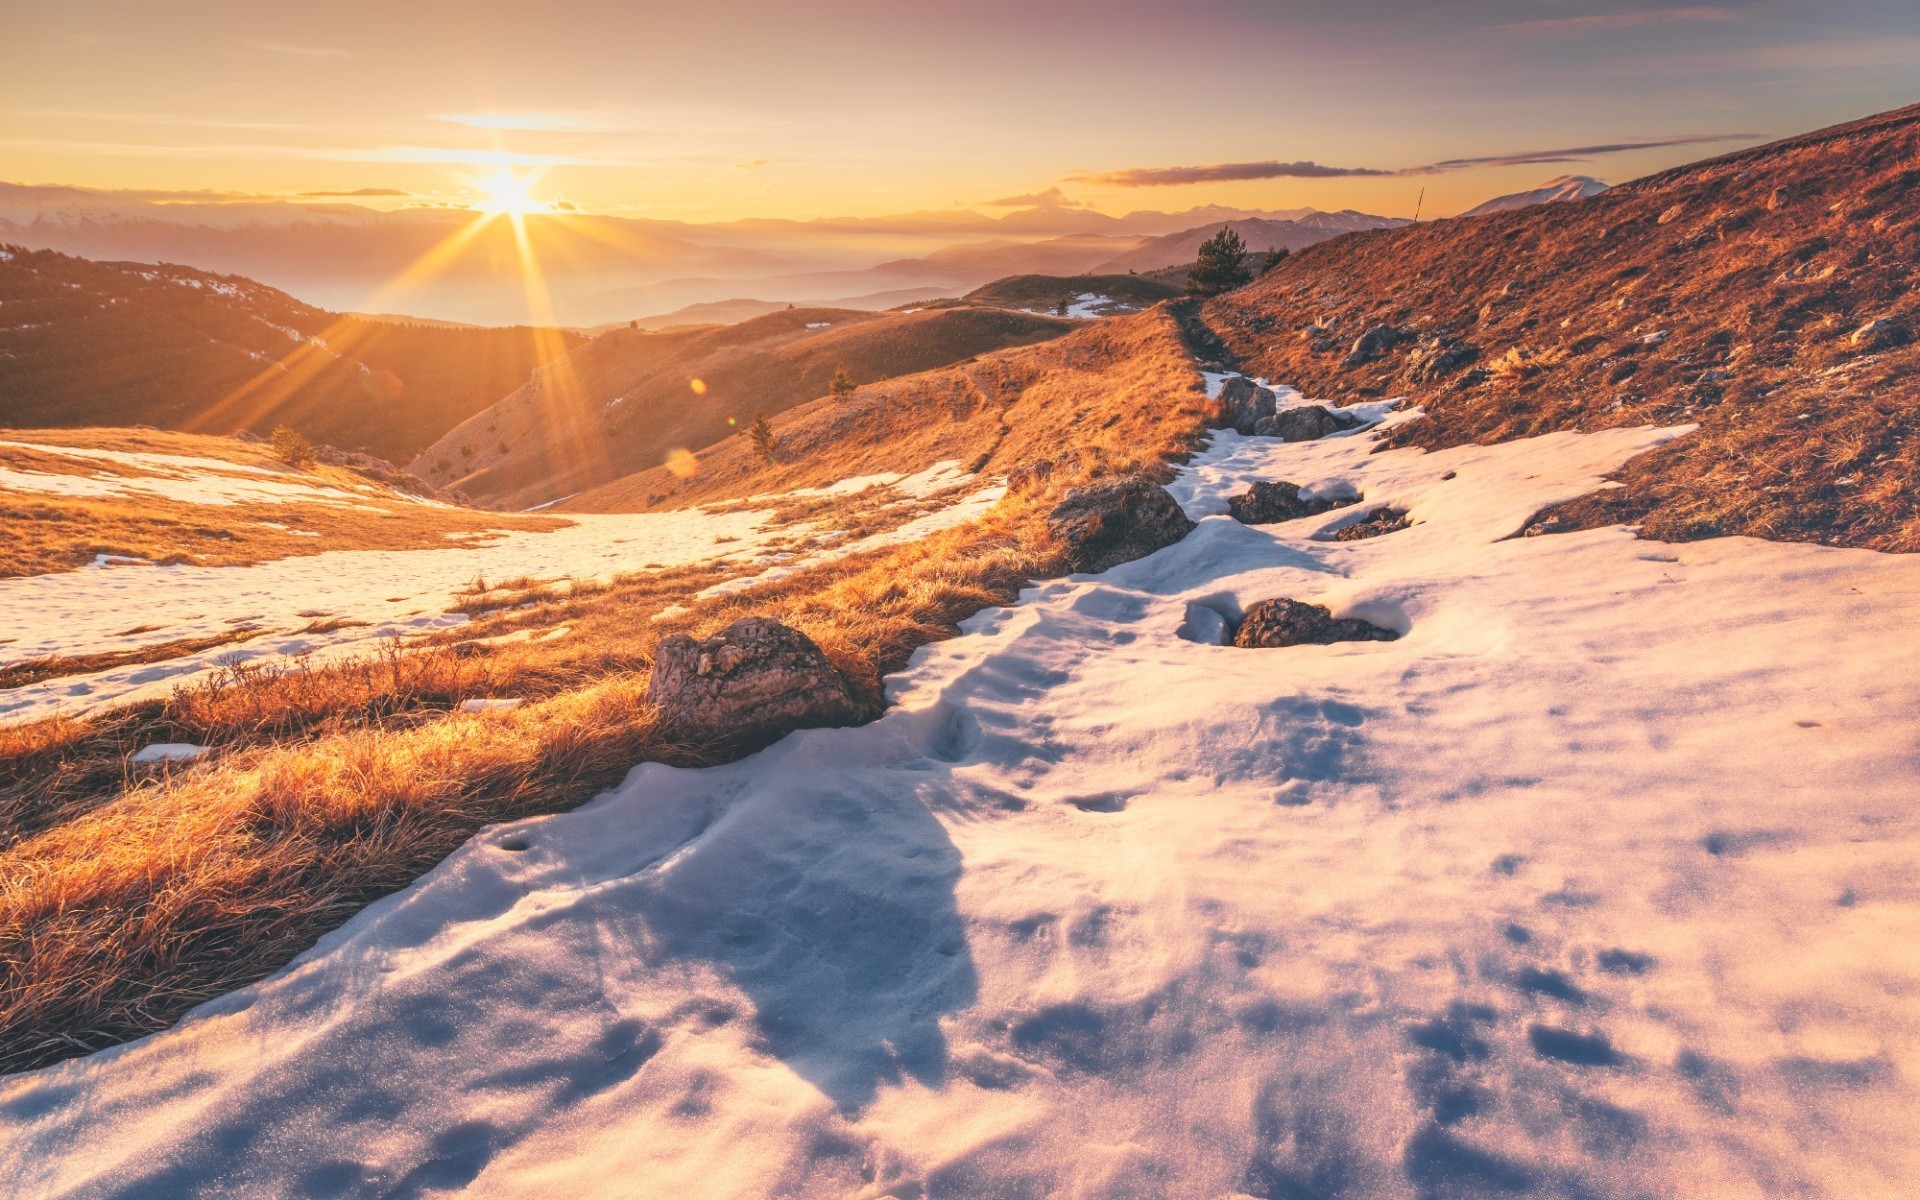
pixel 1598 882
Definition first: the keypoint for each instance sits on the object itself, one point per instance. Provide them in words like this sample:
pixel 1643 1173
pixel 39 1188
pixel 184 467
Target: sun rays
pixel 554 387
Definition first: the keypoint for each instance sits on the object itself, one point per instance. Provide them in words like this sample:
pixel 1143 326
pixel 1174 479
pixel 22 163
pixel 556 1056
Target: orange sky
pixel 732 108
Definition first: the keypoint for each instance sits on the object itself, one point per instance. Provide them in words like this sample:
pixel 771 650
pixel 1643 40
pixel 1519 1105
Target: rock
pixel 1302 423
pixel 1243 404
pixel 1271 624
pixel 1878 332
pixel 1376 523
pixel 1371 344
pixel 1436 358
pixel 1114 521
pixel 1029 477
pixel 1268 503
pixel 754 681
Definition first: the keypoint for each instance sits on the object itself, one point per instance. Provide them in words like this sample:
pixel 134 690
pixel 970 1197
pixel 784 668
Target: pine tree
pixel 1222 265
pixel 761 432
pixel 1275 257
pixel 842 384
pixel 291 447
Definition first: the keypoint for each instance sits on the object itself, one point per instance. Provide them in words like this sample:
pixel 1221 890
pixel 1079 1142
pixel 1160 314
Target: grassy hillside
pixel 1044 292
pixel 625 401
pixel 104 344
pixel 1765 295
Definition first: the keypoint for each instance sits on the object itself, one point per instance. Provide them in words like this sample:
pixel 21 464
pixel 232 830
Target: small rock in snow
pixel 1305 423
pixel 1282 622
pixel 1269 503
pixel 1376 523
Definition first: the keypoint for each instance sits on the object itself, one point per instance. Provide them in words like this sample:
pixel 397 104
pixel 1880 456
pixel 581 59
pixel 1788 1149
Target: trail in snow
pixel 1598 882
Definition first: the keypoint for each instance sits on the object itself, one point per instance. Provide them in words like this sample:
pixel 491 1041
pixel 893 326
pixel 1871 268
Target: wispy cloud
pixel 1275 169
pixel 1053 197
pixel 1592 22
pixel 368 192
pixel 1218 173
pixel 752 164
pixel 552 121
pixel 293 51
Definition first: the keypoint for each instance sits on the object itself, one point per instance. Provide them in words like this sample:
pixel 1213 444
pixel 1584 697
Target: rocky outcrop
pixel 754 681
pixel 1281 622
pixel 1114 521
pixel 1269 503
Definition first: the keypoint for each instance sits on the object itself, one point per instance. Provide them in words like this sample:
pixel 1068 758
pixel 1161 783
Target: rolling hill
pixel 627 399
pixel 1553 191
pixel 93 343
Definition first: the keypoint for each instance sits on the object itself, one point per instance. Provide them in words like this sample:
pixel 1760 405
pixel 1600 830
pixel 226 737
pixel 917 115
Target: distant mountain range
pixel 597 269
pixel 1553 191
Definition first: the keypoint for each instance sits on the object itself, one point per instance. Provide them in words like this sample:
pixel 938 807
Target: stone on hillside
pixel 1375 524
pixel 1436 358
pixel 1878 332
pixel 1377 340
pixel 1303 423
pixel 1271 624
pixel 751 683
pixel 1114 521
pixel 1269 503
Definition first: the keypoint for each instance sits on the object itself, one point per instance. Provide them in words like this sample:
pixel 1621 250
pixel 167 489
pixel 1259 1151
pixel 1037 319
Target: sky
pixel 723 109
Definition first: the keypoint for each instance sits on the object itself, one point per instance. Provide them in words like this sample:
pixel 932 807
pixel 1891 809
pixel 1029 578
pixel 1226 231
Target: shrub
pixel 761 432
pixel 291 447
pixel 1274 258
pixel 841 385
pixel 1222 265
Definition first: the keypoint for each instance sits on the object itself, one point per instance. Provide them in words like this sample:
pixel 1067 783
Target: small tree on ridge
pixel 1222 265
pixel 760 432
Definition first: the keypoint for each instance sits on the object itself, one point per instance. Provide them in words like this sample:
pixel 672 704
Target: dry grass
pixel 127 898
pixel 47 532
pixel 58 666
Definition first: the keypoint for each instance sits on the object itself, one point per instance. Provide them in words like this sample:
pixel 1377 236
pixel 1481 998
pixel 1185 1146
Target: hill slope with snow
pixel 1554 191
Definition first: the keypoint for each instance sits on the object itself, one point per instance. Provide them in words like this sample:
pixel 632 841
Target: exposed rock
pixel 1436 358
pixel 1376 523
pixel 1302 423
pixel 1243 404
pixel 1113 521
pixel 1377 340
pixel 751 683
pixel 1281 622
pixel 1268 503
pixel 1879 332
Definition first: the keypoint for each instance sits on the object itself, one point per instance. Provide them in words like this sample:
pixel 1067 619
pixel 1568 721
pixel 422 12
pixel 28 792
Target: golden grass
pixel 47 532
pixel 58 666
pixel 127 898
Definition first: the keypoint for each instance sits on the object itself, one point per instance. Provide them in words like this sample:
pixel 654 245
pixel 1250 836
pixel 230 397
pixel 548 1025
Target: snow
pixel 1099 910
pixel 185 478
pixel 490 705
pixel 169 752
pixel 1086 306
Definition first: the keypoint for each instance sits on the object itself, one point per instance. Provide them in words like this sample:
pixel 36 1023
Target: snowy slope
pixel 1553 191
pixel 1597 883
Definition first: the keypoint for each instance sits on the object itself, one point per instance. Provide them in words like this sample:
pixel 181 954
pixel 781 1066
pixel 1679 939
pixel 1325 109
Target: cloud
pixel 1604 21
pixel 365 191
pixel 752 164
pixel 1053 197
pixel 1219 173
pixel 540 122
pixel 293 51
pixel 1574 153
pixel 1274 169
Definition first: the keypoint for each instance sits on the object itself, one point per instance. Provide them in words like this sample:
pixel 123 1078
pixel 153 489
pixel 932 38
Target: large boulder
pixel 750 683
pixel 1269 503
pixel 1282 622
pixel 1114 521
pixel 1243 403
pixel 1302 423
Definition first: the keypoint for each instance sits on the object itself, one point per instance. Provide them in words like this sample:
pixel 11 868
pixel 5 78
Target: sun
pixel 505 192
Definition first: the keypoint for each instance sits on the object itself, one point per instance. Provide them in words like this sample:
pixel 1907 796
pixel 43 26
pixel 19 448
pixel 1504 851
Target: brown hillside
pixel 113 344
pixel 1766 295
pixel 626 400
